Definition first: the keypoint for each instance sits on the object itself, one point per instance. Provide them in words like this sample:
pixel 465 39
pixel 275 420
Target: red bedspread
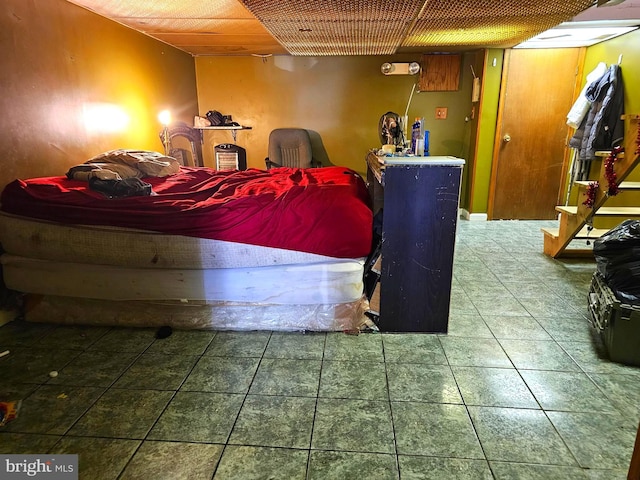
pixel 322 210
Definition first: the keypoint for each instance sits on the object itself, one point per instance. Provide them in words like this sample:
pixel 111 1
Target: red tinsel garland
pixel 592 188
pixel 610 175
pixel 609 172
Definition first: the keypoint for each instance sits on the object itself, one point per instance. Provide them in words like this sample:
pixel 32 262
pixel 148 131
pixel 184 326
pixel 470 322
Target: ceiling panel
pixel 167 8
pixel 331 27
pixel 338 38
pixel 197 26
pixel 337 27
pixel 488 23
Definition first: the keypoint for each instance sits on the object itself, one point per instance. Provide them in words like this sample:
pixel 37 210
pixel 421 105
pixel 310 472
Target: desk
pixel 420 196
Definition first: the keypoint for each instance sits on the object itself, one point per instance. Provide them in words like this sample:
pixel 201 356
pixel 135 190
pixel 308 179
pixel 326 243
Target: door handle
pixel 506 138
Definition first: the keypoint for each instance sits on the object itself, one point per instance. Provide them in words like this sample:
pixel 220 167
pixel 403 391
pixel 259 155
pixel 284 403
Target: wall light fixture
pixel 400 68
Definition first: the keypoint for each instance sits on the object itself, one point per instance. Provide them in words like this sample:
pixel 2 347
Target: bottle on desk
pixel 425 152
pixel 416 134
pixel 419 139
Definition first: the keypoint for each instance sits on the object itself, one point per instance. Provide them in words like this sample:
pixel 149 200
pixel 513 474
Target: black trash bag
pixel 622 237
pixel 617 255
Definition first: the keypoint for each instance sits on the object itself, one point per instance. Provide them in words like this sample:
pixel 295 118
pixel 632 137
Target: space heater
pixel 230 156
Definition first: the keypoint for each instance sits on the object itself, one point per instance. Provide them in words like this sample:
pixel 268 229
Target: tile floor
pixel 518 389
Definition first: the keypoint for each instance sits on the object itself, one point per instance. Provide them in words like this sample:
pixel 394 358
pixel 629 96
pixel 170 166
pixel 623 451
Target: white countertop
pixel 435 160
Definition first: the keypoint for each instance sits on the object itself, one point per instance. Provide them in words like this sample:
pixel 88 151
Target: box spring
pixel 305 284
pixel 196 315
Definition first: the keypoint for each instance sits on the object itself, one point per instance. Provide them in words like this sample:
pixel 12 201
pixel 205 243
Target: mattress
pixel 106 245
pixel 324 211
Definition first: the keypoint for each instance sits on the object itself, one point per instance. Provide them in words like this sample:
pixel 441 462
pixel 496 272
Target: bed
pixel 282 249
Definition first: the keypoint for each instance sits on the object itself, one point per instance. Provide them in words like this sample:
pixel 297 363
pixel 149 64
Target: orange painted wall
pixel 57 60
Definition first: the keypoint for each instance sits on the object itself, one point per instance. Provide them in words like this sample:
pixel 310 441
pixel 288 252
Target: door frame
pixel 497 141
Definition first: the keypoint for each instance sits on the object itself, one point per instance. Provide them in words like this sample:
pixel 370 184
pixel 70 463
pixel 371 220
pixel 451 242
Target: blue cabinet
pixel 420 199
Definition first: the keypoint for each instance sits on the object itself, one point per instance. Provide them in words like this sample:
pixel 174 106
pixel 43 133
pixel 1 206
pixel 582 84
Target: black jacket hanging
pixel 602 128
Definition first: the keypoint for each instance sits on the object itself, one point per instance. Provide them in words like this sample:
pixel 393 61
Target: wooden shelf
pixel 225 127
pixel 233 128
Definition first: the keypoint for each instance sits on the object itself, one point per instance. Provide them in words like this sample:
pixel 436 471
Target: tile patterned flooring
pixel 518 389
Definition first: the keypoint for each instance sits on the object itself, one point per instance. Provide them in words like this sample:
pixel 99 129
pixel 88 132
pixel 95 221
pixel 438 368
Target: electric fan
pixel 390 129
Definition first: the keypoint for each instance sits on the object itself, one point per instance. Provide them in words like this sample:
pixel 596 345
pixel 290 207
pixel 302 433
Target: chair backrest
pixel 290 147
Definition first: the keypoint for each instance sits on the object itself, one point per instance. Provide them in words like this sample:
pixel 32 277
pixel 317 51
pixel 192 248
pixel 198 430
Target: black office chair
pixel 290 147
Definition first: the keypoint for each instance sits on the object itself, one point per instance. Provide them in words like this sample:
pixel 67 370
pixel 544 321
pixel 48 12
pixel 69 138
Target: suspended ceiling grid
pixel 345 27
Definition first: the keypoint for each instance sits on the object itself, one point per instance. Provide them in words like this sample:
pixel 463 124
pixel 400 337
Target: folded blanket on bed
pixel 121 164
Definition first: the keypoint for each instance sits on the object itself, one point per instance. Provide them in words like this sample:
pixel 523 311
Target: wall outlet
pixel 441 113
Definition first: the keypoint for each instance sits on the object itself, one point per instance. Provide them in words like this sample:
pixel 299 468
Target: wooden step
pixel 606 153
pixel 568 209
pixel 583 234
pixel 629 186
pixel 603 211
pixel 622 186
pixel 572 219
